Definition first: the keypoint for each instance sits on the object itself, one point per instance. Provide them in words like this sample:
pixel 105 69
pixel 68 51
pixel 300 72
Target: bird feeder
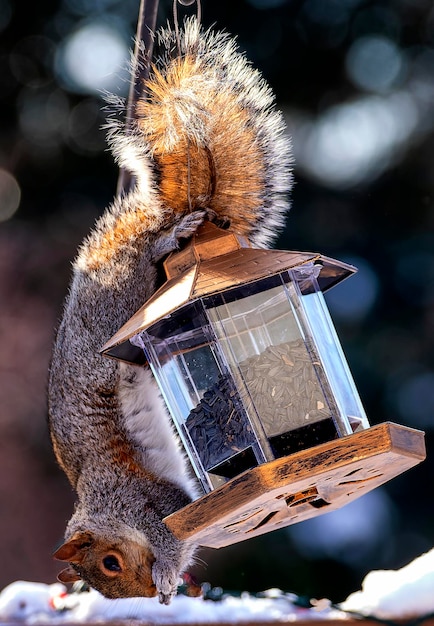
pixel 245 354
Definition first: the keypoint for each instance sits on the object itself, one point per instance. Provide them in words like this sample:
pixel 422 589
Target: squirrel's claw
pixel 165 578
pixel 165 599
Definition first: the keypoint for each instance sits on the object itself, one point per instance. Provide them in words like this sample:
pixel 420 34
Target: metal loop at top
pixel 185 3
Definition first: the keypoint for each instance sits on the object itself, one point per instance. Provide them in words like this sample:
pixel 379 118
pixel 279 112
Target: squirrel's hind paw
pixel 183 229
pixel 188 225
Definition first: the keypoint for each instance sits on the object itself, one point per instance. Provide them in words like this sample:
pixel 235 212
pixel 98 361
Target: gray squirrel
pixel 206 143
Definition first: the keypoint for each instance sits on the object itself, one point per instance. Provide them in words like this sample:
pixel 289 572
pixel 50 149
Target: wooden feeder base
pixel 299 486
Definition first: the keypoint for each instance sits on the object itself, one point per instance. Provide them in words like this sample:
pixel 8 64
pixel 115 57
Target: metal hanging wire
pixel 178 43
pixel 146 25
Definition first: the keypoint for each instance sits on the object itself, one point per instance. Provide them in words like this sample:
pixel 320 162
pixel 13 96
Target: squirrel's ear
pixel 68 575
pixel 75 548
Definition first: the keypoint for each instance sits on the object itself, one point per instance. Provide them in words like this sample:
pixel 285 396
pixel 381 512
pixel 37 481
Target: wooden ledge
pixel 300 486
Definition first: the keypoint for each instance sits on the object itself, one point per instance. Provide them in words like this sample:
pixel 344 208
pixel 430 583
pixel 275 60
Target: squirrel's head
pixel 117 569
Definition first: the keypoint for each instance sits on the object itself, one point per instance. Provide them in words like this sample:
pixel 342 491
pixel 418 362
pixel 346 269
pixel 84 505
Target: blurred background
pixel 355 79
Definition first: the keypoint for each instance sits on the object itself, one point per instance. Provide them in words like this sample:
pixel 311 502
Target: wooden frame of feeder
pixel 299 486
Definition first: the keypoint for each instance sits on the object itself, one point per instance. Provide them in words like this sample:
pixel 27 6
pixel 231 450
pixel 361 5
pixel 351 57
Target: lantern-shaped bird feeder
pixel 244 351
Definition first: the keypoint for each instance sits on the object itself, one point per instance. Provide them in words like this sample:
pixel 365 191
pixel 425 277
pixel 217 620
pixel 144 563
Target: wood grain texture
pixel 300 486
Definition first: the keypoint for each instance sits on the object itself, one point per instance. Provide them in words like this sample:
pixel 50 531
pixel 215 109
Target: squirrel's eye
pixel 111 563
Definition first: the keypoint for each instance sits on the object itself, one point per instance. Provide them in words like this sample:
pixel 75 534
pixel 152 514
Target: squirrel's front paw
pixel 166 579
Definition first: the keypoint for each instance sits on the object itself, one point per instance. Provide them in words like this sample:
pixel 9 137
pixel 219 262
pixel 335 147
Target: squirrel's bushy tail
pixel 209 127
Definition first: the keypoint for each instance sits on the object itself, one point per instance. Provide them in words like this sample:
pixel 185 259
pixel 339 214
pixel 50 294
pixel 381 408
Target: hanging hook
pixel 185 3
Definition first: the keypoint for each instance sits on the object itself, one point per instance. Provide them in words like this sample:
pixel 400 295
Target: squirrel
pixel 206 142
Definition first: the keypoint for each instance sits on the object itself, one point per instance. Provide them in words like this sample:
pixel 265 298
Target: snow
pixel 35 603
pixel 24 600
pixel 385 594
pixel 388 594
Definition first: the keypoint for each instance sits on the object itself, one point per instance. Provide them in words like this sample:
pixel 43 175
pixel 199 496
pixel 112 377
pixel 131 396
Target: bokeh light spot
pixel 87 7
pixel 267 4
pixel 374 63
pixel 374 19
pixel 354 142
pixel 43 116
pixel 327 13
pixel 355 298
pixel 5 13
pixel 324 24
pixel 91 60
pixel 84 127
pixel 10 195
pixel 350 534
pixel 414 270
pixel 31 61
pixel 413 399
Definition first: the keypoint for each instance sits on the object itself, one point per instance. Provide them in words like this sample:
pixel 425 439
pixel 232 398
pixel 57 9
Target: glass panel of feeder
pixel 181 346
pixel 175 394
pixel 353 416
pixel 279 376
pixel 202 397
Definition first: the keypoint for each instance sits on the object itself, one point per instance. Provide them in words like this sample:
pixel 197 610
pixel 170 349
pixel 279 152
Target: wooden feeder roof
pixel 212 261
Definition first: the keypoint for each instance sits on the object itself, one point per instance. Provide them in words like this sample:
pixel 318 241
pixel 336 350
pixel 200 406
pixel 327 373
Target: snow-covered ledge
pixel 398 595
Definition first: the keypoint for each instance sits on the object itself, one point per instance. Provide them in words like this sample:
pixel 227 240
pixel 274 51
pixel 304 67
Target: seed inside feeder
pixel 284 384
